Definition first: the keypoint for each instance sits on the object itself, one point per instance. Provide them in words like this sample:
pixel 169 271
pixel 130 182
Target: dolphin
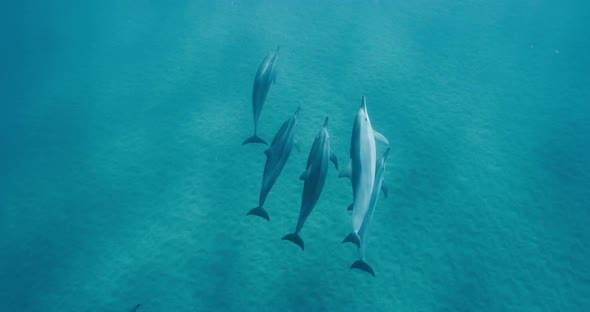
pixel 361 264
pixel 276 157
pixel 265 76
pixel 314 178
pixel 361 168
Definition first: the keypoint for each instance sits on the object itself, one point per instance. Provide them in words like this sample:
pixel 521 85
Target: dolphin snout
pixel 326 122
pixel 364 103
pixel 297 111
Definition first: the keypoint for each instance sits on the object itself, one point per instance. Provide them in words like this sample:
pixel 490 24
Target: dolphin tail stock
pixel 352 238
pixel 363 266
pixel 254 139
pixel 259 211
pixel 295 238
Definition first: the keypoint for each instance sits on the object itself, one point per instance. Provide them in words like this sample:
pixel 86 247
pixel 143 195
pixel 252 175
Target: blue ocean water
pixel 124 181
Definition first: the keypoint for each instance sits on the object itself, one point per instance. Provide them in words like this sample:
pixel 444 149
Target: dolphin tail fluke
pixel 352 238
pixel 295 238
pixel 254 139
pixel 259 211
pixel 363 266
pixel 349 208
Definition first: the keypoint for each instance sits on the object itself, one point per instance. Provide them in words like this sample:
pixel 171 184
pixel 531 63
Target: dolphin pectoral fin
pixel 363 266
pixel 352 238
pixel 295 238
pixel 385 189
pixel 305 174
pixel 380 137
pixel 254 139
pixel 346 172
pixel 333 159
pixel 349 208
pixel 269 151
pixel 259 211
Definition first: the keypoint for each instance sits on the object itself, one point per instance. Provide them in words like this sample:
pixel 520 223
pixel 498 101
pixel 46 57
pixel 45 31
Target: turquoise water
pixel 124 180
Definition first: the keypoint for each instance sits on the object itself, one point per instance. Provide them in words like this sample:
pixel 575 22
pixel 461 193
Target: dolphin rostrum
pixel 361 264
pixel 265 76
pixel 314 178
pixel 361 168
pixel 276 157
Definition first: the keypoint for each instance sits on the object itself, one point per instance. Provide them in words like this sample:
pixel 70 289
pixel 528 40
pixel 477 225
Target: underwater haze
pixel 124 181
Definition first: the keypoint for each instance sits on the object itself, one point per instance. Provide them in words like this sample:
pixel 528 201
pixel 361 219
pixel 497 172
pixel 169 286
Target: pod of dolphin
pixel 365 171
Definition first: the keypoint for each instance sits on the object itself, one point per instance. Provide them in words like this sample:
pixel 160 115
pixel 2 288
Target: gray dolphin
pixel 265 76
pixel 314 178
pixel 361 168
pixel 361 264
pixel 276 157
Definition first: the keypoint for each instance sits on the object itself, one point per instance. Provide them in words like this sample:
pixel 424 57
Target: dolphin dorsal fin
pixel 333 159
pixel 305 174
pixel 380 137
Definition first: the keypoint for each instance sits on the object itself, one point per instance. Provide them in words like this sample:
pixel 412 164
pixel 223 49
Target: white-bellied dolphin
pixel 265 76
pixel 361 264
pixel 276 157
pixel 314 178
pixel 361 168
